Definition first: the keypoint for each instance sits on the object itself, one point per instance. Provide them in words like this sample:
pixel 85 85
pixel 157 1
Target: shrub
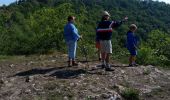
pixel 130 94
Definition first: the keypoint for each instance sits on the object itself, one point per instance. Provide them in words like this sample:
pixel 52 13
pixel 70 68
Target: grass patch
pixel 3 57
pixel 130 94
pixel 60 96
pixel 55 96
pixel 12 58
pixel 146 72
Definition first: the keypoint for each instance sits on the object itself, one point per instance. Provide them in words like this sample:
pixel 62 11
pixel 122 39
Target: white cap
pixel 105 13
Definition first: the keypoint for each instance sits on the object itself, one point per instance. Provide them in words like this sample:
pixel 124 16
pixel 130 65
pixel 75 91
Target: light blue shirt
pixel 71 32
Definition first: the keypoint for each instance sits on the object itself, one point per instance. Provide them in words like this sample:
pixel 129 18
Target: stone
pixel 65 98
pixel 12 65
pixel 105 96
pixel 53 61
pixel 29 79
pixel 2 81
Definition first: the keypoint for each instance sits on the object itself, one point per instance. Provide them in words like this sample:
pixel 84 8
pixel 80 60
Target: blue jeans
pixel 72 46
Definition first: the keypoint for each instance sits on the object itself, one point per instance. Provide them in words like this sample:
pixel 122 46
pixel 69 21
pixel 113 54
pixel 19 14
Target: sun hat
pixel 105 13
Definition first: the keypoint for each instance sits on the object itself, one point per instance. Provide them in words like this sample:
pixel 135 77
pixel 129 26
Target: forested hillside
pixel 36 26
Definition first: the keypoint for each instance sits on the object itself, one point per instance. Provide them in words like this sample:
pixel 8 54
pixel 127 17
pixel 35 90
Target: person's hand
pixel 81 36
pixel 125 19
pixel 136 47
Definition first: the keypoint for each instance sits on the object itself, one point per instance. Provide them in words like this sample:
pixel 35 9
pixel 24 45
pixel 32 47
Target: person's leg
pixel 99 54
pixel 98 50
pixel 109 51
pixel 134 61
pixel 69 54
pixel 108 66
pixel 107 58
pixel 103 54
pixel 73 52
pixel 130 60
pixel 103 58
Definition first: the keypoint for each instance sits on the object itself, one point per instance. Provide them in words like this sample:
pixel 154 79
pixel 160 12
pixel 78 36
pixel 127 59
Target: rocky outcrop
pixel 47 77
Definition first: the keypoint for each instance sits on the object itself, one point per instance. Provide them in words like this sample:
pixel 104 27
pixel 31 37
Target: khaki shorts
pixel 106 46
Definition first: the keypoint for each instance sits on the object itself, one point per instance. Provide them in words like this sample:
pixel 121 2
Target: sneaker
pixel 135 64
pixel 109 69
pixel 103 66
pixel 108 65
pixel 130 65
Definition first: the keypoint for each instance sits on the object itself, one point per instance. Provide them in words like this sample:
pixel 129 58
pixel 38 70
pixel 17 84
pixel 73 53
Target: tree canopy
pixel 36 26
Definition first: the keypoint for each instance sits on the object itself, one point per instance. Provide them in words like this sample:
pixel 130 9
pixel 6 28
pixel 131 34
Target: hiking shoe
pixel 109 69
pixel 135 64
pixel 69 64
pixel 100 59
pixel 130 65
pixel 108 65
pixel 74 63
pixel 103 66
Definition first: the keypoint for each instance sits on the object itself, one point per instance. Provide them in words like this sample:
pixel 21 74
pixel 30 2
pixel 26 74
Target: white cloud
pixel 167 1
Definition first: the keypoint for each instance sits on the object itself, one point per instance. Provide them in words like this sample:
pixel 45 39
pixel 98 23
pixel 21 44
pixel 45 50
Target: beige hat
pixel 133 26
pixel 105 13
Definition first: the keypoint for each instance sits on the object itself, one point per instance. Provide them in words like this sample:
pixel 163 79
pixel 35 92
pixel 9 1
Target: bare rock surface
pixel 47 77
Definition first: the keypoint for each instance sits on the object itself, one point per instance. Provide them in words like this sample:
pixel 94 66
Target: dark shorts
pixel 133 52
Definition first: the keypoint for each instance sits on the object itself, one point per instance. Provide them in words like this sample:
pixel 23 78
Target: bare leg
pixel 99 54
pixel 133 59
pixel 103 58
pixel 130 60
pixel 107 58
pixel 108 67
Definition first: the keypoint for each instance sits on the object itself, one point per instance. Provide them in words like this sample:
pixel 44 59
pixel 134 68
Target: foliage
pixel 36 26
pixel 154 50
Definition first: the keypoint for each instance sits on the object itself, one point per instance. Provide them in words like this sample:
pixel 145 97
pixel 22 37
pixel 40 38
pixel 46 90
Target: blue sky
pixel 6 2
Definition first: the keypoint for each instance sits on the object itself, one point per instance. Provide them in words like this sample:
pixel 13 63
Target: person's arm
pixel 131 41
pixel 75 33
pixel 136 42
pixel 115 24
pixel 118 23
